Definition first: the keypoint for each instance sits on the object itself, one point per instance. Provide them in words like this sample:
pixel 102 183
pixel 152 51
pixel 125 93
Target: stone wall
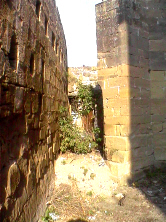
pixel 132 64
pixel 33 84
pixel 157 68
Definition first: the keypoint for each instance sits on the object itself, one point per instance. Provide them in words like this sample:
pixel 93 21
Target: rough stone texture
pixel 33 84
pixel 13 179
pixel 132 68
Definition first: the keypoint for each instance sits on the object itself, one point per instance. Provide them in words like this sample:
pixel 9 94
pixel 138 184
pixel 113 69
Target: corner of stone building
pixel 132 77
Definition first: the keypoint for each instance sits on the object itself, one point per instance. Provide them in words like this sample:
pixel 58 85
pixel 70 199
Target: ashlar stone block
pixel 121 156
pixel 160 153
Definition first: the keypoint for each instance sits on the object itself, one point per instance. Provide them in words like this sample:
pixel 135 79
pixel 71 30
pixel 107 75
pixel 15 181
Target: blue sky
pixel 78 19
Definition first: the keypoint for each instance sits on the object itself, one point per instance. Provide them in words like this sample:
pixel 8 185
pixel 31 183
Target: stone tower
pixel 131 42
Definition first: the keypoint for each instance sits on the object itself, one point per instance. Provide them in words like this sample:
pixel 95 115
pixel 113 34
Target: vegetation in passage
pixel 72 138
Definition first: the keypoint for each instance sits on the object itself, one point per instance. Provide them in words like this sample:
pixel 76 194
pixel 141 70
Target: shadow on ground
pixel 154 187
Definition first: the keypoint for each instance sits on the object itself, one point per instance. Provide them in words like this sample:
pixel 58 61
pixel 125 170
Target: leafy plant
pixel 91 212
pixel 96 132
pixel 46 217
pixel 71 137
pixel 92 176
pixel 72 177
pixel 85 172
pixel 63 162
pixel 67 74
pixel 85 98
pixel 89 193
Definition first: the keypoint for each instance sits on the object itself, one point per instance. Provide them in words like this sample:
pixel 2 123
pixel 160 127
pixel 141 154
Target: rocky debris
pixel 121 201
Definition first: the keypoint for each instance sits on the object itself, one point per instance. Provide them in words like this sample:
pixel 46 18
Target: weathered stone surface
pixel 132 74
pixel 119 143
pixel 145 162
pixel 13 179
pixel 33 84
pixel 157 45
pixel 160 153
pixel 121 156
pixel 119 170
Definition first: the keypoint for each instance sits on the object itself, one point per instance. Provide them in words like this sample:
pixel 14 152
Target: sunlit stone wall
pixel 131 61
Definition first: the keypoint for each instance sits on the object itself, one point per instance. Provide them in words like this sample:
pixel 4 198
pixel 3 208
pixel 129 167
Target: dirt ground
pixel 85 192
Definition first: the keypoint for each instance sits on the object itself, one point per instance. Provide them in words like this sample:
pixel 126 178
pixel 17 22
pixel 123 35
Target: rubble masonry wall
pixel 33 84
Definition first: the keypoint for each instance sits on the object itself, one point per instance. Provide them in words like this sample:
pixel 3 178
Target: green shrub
pixel 86 98
pixel 71 137
pixel 89 193
pixel 96 132
pixel 46 217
